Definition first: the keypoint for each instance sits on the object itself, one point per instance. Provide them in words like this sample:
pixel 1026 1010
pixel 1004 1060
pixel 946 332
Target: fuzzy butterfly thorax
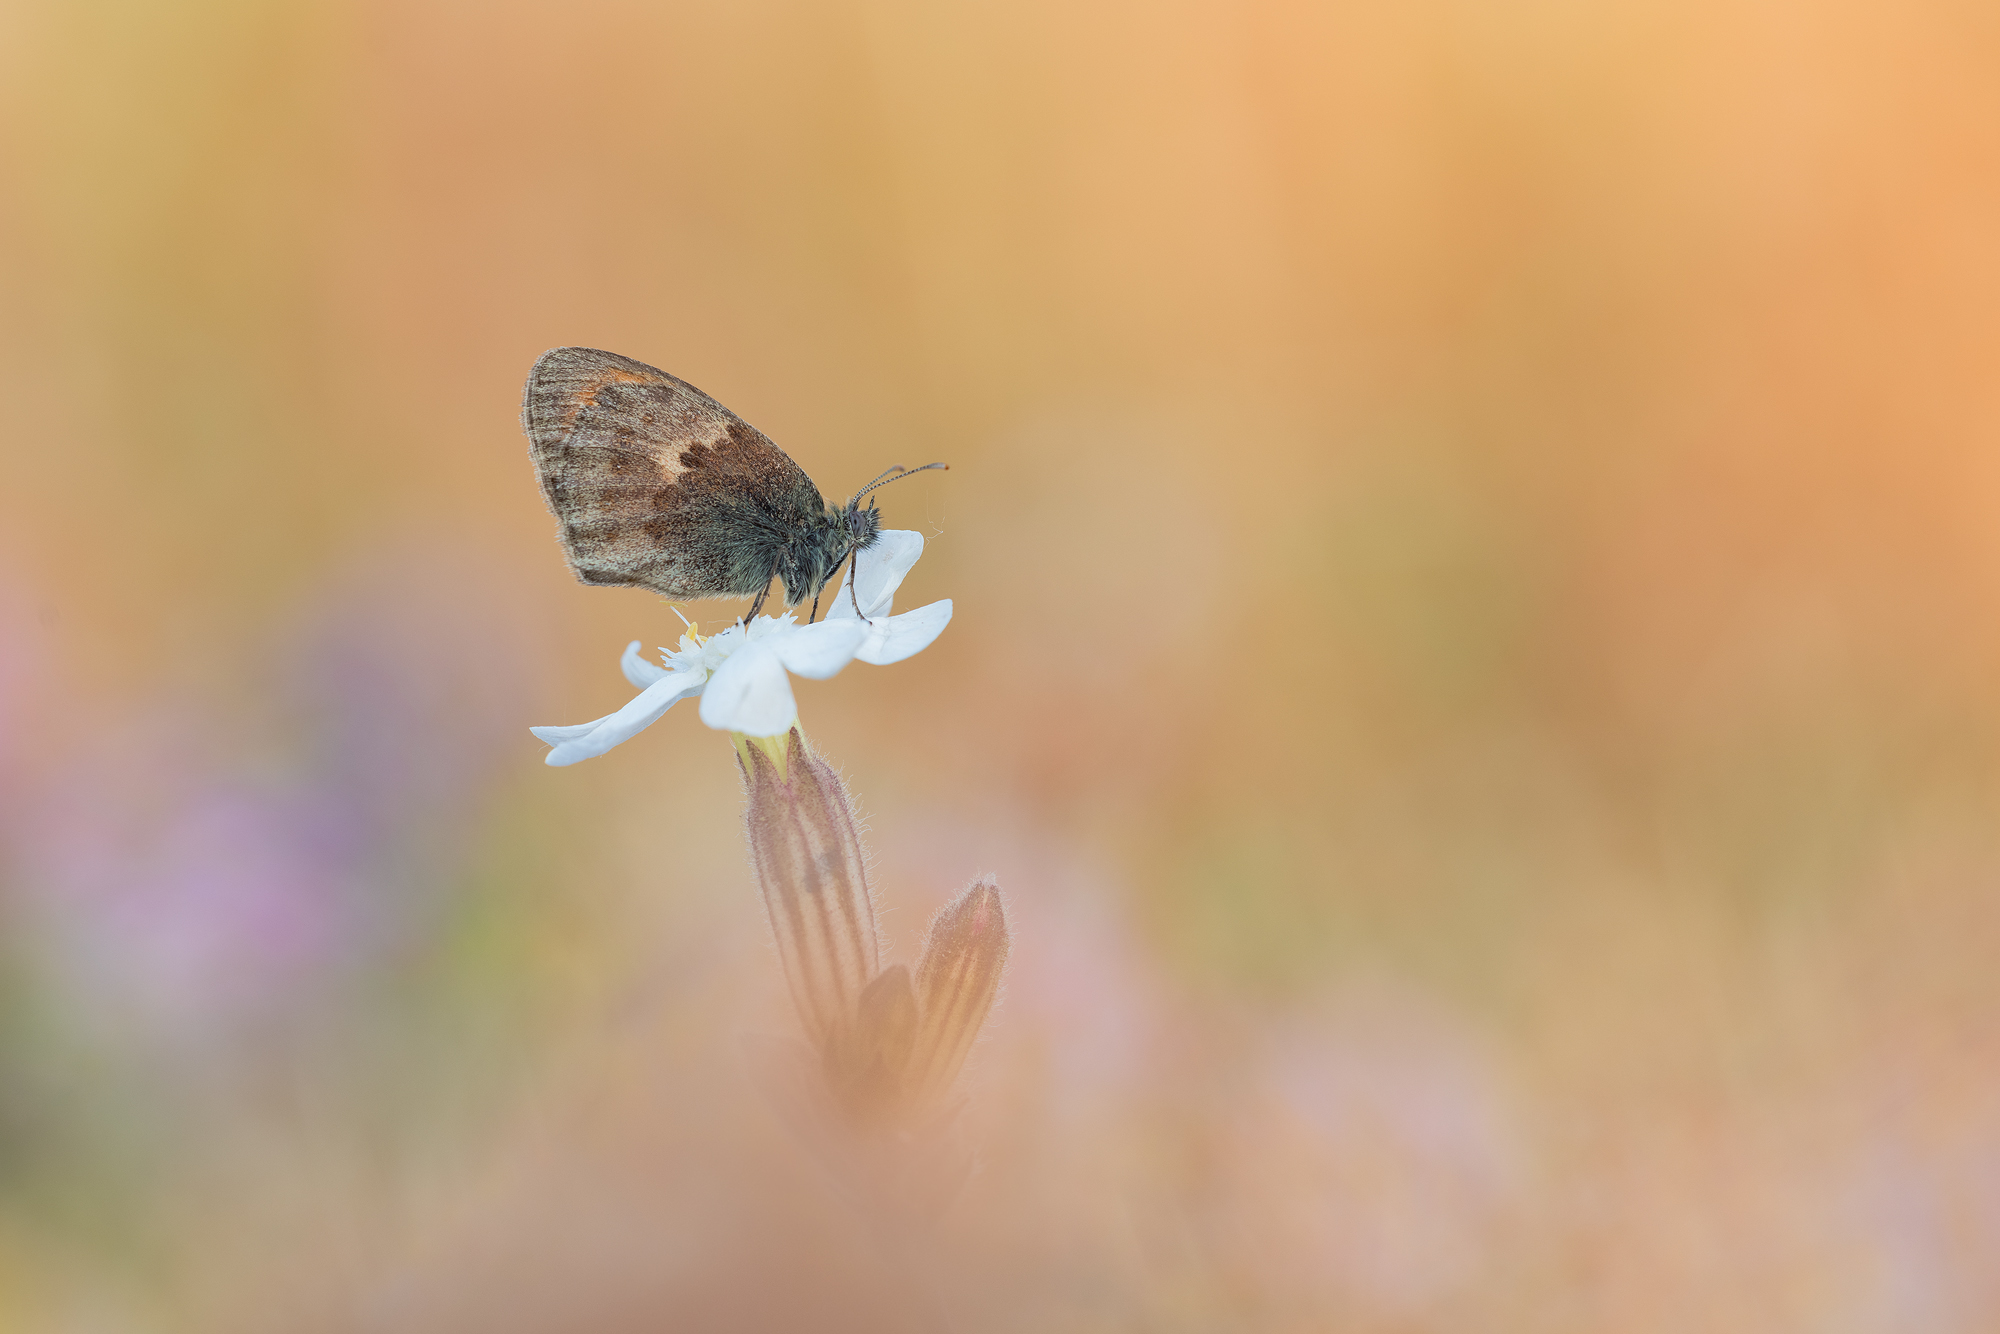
pixel 656 485
pixel 809 558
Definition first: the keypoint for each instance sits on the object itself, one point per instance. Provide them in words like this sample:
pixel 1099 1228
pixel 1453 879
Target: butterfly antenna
pixel 895 474
pixel 880 478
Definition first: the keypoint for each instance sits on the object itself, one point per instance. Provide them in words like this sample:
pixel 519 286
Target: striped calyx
pixel 807 853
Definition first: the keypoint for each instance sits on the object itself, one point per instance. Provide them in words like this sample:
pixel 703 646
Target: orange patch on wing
pixel 614 375
pixel 587 397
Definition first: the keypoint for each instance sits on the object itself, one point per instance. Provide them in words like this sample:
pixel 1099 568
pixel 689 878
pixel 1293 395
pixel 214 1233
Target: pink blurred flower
pixel 1373 1170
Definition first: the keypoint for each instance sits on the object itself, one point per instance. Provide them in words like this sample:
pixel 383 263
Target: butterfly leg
pixel 758 605
pixel 815 611
pixel 853 596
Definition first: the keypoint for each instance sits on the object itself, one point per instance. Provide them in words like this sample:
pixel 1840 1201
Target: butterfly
pixel 656 485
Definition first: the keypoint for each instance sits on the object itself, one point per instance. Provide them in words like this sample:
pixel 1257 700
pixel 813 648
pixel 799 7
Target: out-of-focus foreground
pixel 1478 613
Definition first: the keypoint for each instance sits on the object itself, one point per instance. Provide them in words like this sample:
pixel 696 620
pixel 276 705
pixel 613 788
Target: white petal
pixel 878 572
pixel 750 693
pixel 894 638
pixel 553 735
pixel 818 651
pixel 587 740
pixel 637 670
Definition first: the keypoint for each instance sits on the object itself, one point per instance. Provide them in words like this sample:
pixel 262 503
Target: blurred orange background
pixel 1478 610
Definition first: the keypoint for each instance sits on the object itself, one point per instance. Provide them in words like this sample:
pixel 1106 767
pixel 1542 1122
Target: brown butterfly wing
pixel 654 483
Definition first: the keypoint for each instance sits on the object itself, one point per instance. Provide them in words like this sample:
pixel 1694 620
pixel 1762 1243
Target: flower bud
pixel 867 1071
pixel 957 978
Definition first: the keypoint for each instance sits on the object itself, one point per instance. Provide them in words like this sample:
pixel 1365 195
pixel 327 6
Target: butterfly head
pixel 811 559
pixel 863 524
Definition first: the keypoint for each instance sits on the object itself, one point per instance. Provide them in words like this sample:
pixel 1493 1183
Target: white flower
pixel 740 673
